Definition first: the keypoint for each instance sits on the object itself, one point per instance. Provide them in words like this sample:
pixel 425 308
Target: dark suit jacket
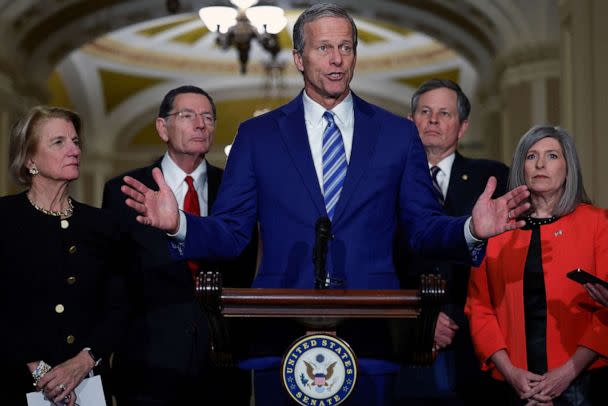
pixel 168 334
pixel 270 178
pixel 468 179
pixel 42 266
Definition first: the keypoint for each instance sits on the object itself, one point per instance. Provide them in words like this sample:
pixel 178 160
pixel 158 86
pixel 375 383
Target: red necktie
pixel 191 206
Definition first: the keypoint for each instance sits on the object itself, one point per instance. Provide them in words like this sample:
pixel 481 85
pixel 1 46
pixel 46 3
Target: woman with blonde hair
pixel 62 297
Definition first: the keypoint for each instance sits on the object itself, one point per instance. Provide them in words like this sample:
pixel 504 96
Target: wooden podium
pixel 411 313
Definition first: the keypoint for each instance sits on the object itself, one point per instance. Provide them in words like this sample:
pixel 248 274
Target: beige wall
pixel 584 103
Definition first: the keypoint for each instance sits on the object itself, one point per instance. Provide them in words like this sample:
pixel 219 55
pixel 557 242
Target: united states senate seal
pixel 319 370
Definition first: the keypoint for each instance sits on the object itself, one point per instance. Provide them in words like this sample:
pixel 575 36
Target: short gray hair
pixel 24 138
pixel 574 189
pixel 315 12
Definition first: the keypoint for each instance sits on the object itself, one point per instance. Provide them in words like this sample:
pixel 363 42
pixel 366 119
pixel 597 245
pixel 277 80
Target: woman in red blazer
pixel 532 326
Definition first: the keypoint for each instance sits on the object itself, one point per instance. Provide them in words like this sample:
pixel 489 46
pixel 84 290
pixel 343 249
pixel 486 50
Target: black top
pixel 62 289
pixel 535 301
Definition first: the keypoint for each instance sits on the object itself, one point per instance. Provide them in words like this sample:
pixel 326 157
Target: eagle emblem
pixel 319 373
pixel 319 369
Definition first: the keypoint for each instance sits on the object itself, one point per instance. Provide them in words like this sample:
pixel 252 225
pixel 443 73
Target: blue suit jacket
pixel 270 178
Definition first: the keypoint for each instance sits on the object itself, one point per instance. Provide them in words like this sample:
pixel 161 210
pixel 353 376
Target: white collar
pixel 174 175
pixel 343 112
pixel 445 164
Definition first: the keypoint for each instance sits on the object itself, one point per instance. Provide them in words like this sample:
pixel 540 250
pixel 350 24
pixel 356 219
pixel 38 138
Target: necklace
pixel 63 213
pixel 536 222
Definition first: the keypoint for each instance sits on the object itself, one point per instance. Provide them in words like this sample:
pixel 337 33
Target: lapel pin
pixel 558 232
pixel 465 177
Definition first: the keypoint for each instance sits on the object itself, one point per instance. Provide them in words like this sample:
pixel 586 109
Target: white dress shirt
pixel 175 179
pixel 443 176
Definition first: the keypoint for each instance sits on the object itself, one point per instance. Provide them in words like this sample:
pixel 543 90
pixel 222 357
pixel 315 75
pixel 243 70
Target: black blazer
pixel 62 289
pixel 468 179
pixel 168 333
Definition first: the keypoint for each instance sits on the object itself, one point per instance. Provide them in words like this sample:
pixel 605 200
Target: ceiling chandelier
pixel 240 27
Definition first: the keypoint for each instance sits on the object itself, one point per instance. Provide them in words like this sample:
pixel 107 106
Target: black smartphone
pixel 581 276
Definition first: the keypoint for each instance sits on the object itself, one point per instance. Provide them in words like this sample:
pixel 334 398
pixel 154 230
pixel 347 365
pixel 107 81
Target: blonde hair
pixel 24 138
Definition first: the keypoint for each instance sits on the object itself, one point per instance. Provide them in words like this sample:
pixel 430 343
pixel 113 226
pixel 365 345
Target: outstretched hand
pixel 491 217
pixel 156 208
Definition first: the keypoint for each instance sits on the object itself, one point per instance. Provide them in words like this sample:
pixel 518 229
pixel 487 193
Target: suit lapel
pixel 295 137
pixel 365 137
pixel 214 178
pixel 457 175
pixel 147 179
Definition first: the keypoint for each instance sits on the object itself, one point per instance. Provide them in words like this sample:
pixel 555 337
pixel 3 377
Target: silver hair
pixel 315 12
pixel 574 189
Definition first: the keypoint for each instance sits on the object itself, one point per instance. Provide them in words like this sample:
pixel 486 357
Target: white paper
pixel 88 393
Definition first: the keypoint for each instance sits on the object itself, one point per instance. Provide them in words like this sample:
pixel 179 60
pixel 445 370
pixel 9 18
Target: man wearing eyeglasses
pixel 164 358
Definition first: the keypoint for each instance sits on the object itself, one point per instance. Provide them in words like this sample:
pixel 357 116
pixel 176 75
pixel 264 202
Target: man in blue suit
pixel 279 174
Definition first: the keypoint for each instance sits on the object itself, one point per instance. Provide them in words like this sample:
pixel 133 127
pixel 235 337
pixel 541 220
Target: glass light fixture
pixel 240 27
pixel 268 19
pixel 218 18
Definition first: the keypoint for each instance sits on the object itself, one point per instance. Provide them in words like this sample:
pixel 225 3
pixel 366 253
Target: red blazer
pixel 495 304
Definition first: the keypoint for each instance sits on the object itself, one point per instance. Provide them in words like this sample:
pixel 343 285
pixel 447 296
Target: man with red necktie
pixel 164 359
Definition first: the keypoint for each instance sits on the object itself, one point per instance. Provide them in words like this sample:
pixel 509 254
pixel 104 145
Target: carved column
pixel 18 93
pixel 526 93
pixel 584 104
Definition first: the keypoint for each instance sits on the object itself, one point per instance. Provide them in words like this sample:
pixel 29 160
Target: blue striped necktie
pixel 334 164
pixel 438 192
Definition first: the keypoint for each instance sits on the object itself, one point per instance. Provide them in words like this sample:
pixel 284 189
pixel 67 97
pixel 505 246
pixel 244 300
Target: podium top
pixel 320 303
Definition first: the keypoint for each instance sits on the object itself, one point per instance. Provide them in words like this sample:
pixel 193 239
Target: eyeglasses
pixel 190 116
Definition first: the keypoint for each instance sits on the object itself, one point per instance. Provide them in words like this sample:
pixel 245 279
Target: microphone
pixel 319 253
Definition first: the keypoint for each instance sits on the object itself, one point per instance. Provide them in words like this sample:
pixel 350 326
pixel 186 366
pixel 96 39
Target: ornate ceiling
pixel 117 80
pixel 113 60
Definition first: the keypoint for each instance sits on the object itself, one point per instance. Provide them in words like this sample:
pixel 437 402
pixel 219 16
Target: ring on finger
pixel 510 215
pixel 61 387
pixel 67 397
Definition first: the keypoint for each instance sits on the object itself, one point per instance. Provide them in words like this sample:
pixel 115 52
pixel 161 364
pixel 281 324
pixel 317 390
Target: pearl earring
pixel 34 171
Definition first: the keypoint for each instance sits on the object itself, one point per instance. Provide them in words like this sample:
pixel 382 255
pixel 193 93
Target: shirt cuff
pixel 476 246
pixel 183 228
pixel 471 240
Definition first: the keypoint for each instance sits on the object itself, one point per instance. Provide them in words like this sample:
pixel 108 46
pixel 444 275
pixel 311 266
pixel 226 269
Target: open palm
pixel 491 217
pixel 155 208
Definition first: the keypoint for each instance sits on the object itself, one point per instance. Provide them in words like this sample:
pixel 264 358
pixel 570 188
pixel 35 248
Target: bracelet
pixel 40 370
